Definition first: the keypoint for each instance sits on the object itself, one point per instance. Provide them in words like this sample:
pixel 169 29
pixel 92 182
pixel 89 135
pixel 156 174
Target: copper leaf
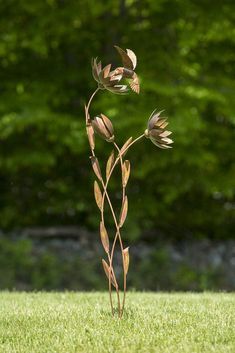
pixel 91 136
pixel 96 167
pixel 126 259
pixel 109 165
pixel 125 146
pixel 87 114
pixel 98 195
pixel 104 237
pixel 107 271
pixel 123 213
pixel 126 168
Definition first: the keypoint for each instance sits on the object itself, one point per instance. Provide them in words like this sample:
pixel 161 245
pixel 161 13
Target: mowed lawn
pixel 81 322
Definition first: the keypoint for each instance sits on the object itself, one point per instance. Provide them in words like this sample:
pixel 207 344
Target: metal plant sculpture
pixel 112 80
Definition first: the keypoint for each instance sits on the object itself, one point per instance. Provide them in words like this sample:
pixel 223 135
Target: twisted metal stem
pixel 118 234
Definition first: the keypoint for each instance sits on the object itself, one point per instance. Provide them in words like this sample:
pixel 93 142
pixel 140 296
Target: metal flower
pixel 129 62
pixel 103 127
pixel 107 79
pixel 156 131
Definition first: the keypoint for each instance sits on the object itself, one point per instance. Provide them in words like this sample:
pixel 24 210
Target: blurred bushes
pixel 27 265
pixel 186 59
pixel 159 272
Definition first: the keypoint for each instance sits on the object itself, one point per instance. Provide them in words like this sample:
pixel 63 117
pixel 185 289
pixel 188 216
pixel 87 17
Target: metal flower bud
pixel 156 131
pixel 103 127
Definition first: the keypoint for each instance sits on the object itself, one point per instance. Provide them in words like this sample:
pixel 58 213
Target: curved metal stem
pixel 93 154
pixel 89 103
pixel 105 194
pixel 119 234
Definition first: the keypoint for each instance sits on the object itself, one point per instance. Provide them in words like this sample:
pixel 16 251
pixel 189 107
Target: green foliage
pixel 67 322
pixel 186 66
pixel 157 272
pixel 25 265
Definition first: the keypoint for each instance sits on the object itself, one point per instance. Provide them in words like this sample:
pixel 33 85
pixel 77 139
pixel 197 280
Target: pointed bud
pixel 103 127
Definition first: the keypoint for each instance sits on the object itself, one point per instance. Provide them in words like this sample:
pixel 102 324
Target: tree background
pixel 186 64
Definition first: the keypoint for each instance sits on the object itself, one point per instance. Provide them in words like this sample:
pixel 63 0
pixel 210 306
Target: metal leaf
pixel 162 123
pixel 167 140
pixel 88 119
pixel 109 165
pixel 165 133
pixel 134 84
pixel 91 136
pixel 123 213
pixel 126 168
pixel 98 195
pixel 96 167
pixel 107 271
pixel 104 237
pixel 126 60
pixel 94 68
pixel 125 146
pixel 106 70
pixel 126 259
pixel 133 57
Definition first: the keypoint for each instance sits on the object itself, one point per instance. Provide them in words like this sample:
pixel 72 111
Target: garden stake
pixel 101 125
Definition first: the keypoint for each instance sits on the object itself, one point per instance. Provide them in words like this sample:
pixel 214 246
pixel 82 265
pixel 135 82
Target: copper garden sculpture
pixel 112 80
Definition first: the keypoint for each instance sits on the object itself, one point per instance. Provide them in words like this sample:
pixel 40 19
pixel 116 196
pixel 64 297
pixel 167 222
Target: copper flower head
pixel 156 131
pixel 129 62
pixel 103 127
pixel 107 79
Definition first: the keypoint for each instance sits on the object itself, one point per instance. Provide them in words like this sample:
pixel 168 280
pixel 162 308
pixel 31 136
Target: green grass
pixel 81 322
